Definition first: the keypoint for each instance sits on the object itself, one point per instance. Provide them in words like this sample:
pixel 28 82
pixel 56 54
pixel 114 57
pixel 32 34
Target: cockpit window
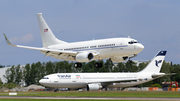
pixel 45 78
pixel 132 42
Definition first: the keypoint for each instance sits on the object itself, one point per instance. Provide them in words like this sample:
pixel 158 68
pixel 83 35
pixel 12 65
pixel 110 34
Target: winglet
pixel 8 42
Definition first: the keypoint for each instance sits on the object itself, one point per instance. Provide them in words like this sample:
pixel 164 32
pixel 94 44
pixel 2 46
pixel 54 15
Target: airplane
pixel 96 81
pixel 117 49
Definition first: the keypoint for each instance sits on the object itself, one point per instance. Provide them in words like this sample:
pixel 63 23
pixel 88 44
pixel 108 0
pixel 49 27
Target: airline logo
pixel 64 76
pixel 157 62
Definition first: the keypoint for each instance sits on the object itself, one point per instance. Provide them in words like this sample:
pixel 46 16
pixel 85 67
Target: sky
pixel 154 23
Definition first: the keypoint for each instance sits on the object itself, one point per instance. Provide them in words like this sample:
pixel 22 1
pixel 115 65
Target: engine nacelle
pixel 118 59
pixel 84 57
pixel 93 87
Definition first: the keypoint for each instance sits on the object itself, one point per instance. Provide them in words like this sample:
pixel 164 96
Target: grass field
pixel 169 94
pixel 52 100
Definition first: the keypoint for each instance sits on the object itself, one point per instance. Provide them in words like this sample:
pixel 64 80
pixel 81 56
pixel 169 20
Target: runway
pixel 95 98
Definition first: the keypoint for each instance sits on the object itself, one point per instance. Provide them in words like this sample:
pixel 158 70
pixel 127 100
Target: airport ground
pixel 93 95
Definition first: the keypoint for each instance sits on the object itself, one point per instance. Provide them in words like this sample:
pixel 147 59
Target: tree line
pixel 32 73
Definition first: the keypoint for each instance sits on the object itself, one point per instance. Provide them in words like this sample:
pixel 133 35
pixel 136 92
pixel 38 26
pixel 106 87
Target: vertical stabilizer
pixel 156 63
pixel 47 36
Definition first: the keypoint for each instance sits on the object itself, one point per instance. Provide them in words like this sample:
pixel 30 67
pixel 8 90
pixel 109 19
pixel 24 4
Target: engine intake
pixel 84 57
pixel 93 87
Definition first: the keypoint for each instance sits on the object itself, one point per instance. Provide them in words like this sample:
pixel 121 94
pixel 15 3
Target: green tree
pixel 142 66
pixel 18 75
pixel 49 69
pixel 10 74
pixel 121 67
pixel 156 85
pixel 60 67
pixel 1 66
pixel 175 69
pixel 131 67
pixel 33 74
pixel 26 74
pixel 108 65
pixel 1 83
pixel 10 85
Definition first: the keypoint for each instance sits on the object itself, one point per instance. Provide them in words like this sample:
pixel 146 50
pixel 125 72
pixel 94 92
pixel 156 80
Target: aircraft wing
pixel 41 49
pixel 114 81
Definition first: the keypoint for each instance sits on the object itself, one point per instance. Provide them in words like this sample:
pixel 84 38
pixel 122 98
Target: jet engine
pixel 118 59
pixel 84 57
pixel 93 87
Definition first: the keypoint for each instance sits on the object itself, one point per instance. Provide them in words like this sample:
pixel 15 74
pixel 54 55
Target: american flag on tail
pixel 45 30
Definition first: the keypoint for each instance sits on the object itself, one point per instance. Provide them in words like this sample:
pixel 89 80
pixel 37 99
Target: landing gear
pixel 122 89
pixel 55 90
pixel 129 61
pixel 77 65
pixel 106 89
pixel 98 65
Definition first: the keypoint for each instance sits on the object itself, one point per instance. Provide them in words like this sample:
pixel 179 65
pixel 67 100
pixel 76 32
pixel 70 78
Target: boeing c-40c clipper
pixel 96 81
pixel 117 49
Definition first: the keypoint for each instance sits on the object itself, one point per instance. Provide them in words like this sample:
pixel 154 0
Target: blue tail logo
pixel 157 62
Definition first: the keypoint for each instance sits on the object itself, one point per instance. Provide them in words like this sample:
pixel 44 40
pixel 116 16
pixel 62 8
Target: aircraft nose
pixel 41 81
pixel 139 47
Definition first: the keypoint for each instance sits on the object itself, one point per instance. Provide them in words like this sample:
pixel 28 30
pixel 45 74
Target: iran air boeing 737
pixel 117 49
pixel 96 81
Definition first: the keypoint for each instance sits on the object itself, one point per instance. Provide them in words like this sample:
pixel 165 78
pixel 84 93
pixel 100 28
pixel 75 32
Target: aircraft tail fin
pixel 156 63
pixel 47 36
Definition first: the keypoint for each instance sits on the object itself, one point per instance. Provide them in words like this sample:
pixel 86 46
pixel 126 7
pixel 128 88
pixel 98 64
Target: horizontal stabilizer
pixel 161 74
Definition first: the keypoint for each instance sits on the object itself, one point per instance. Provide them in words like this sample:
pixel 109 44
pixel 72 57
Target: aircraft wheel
pixel 55 90
pixel 98 65
pixel 129 61
pixel 77 65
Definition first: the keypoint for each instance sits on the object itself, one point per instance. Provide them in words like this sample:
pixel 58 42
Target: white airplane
pixel 117 49
pixel 96 81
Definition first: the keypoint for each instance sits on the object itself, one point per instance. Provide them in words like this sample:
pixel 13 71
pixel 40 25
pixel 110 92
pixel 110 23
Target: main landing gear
pixel 129 61
pixel 79 65
pixel 98 65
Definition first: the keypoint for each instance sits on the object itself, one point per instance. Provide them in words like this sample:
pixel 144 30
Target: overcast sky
pixel 154 23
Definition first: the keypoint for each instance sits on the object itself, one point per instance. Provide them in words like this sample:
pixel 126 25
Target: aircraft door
pixel 74 78
pixel 140 77
pixel 55 79
pixel 121 44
